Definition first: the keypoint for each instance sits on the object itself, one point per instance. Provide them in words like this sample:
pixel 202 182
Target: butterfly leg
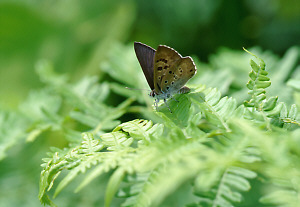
pixel 172 97
pixel 175 100
pixel 167 105
pixel 156 104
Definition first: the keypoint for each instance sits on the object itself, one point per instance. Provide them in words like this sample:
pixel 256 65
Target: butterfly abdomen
pixel 184 89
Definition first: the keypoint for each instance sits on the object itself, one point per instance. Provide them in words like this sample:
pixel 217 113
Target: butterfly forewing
pixel 145 56
pixel 165 60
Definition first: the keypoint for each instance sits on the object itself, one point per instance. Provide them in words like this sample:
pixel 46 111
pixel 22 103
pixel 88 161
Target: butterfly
pixel 165 69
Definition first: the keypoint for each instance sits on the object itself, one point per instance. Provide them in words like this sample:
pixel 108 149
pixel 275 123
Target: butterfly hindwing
pixel 165 59
pixel 183 71
pixel 171 70
pixel 145 56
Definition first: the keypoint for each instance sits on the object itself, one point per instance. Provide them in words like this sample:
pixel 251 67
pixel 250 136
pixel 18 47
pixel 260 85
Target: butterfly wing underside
pixel 145 56
pixel 171 70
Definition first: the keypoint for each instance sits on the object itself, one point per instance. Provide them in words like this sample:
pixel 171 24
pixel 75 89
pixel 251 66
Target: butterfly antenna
pixel 137 89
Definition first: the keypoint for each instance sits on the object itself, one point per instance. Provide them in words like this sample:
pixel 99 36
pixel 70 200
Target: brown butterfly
pixel 165 69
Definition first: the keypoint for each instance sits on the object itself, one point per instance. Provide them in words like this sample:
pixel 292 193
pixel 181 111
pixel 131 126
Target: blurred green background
pixel 77 36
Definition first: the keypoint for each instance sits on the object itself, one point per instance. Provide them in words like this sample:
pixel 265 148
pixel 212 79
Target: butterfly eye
pixel 159 68
pixel 172 82
pixel 159 77
pixel 166 81
pixel 170 72
pixel 168 87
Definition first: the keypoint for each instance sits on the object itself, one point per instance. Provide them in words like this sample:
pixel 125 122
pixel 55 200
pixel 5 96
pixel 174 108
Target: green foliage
pixel 213 150
pixel 64 69
pixel 12 130
pixel 209 142
pixel 268 110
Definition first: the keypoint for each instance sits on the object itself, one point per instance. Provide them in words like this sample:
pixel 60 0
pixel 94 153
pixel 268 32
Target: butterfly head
pixel 160 95
pixel 152 94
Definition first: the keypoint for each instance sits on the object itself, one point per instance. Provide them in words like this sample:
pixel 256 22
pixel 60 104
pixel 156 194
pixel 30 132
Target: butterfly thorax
pixel 167 94
pixel 160 95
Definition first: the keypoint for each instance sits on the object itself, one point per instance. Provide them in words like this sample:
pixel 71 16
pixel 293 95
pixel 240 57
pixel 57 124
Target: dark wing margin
pixel 145 55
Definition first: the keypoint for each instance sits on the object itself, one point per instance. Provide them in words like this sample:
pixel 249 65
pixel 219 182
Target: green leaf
pixel 254 66
pixel 113 185
pixel 270 103
pixel 263 84
pixel 12 129
pixel 294 83
pixel 281 197
pixel 116 140
pixel 137 129
pixel 242 172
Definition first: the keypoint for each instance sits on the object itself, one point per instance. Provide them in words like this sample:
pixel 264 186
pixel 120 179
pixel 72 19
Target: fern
pixel 266 110
pixel 78 159
pixel 41 108
pixel 281 170
pixel 257 84
pixel 207 104
pixel 162 151
pixel 209 141
pixel 9 136
pixel 85 98
pixel 233 180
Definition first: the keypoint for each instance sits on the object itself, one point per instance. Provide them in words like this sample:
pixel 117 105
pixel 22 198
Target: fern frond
pixel 170 161
pixel 233 181
pixel 135 184
pixel 138 129
pixel 12 129
pixel 116 140
pixel 206 103
pixel 257 84
pixel 265 111
pixel 85 98
pixel 177 164
pixel 88 154
pixel 77 160
pixel 166 178
pixel 118 143
pixel 228 189
pixel 282 172
pixel 281 198
pixel 41 108
pixel 215 109
pixel 290 118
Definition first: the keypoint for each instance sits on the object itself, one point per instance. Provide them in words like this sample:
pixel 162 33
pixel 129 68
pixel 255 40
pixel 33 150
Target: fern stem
pixel 215 203
pixel 267 120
